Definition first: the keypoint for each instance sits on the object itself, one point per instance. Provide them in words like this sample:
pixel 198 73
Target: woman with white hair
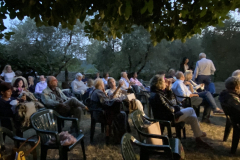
pixel 192 86
pixel 31 85
pixel 236 73
pixel 78 86
pixel 7 74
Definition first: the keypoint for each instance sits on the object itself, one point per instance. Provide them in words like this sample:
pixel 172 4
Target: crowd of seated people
pixel 165 95
pixel 202 98
pixel 161 102
pixel 101 101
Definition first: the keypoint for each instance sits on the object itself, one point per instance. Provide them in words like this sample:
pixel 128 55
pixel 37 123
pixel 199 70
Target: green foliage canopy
pixel 164 19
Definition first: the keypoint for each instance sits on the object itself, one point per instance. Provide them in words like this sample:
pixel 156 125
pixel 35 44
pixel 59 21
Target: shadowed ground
pixel 99 151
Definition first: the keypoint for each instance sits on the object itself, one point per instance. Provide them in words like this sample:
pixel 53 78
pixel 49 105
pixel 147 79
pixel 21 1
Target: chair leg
pixel 144 155
pixel 43 153
pixel 83 149
pixel 184 133
pixel 197 110
pixel 102 127
pixel 235 139
pixel 63 154
pixel 228 129
pixel 92 130
pixel 178 132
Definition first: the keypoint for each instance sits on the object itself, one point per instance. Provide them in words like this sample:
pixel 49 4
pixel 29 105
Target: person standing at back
pixel 203 70
pixel 184 65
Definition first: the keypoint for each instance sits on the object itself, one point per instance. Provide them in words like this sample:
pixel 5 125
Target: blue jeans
pixel 211 88
pixel 207 96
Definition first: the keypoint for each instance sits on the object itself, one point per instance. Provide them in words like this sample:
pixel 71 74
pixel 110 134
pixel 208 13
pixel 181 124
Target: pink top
pixel 136 81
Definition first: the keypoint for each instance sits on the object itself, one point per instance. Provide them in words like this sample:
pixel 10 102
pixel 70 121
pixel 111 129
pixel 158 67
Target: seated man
pixel 52 96
pixel 78 86
pixel 202 98
pixel 126 83
pixel 231 96
pixel 41 85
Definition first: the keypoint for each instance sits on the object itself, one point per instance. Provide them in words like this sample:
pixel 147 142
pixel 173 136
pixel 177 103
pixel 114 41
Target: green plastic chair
pixel 146 150
pixel 17 140
pixel 47 124
pixel 172 146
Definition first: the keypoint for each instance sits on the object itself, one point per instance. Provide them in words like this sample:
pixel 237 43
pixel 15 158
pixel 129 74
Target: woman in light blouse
pixel 193 87
pixel 7 74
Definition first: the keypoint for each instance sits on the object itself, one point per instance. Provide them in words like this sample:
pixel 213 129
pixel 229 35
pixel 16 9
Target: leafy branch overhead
pixel 164 19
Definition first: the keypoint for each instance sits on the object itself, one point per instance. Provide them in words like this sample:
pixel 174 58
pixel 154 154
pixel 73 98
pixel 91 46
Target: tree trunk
pixel 66 74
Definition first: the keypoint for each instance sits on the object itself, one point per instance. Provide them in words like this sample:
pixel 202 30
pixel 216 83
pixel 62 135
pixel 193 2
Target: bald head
pixel 52 82
pixel 179 75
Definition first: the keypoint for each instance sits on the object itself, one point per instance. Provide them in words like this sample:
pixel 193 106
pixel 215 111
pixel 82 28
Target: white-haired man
pixel 203 70
pixel 52 96
pixel 201 98
pixel 78 86
pixel 126 83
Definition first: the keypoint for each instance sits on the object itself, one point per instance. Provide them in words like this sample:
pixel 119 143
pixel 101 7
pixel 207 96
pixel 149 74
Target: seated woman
pixel 8 110
pixel 118 93
pixel 19 90
pixel 18 87
pixel 192 86
pixel 100 101
pixel 231 97
pixel 195 88
pixel 161 95
pixel 31 85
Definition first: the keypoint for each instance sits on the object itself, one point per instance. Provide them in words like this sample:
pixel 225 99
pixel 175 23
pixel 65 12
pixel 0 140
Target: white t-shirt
pixel 8 77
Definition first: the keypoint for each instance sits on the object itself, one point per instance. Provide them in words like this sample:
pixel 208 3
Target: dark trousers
pixel 206 80
pixel 197 102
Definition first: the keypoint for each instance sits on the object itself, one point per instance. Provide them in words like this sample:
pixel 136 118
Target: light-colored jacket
pixel 49 99
pixel 204 67
pixel 78 87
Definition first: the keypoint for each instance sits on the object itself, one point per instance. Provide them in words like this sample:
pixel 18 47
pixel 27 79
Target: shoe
pixel 201 143
pixel 206 120
pixel 218 112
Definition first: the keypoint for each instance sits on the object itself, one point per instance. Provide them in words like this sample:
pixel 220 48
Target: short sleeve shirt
pixel 8 77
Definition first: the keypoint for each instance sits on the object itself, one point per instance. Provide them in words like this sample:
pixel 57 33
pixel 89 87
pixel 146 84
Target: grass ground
pixel 99 151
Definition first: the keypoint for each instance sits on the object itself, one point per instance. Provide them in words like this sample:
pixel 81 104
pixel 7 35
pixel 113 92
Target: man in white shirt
pixel 78 86
pixel 202 98
pixel 40 86
pixel 203 70
pixel 126 83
